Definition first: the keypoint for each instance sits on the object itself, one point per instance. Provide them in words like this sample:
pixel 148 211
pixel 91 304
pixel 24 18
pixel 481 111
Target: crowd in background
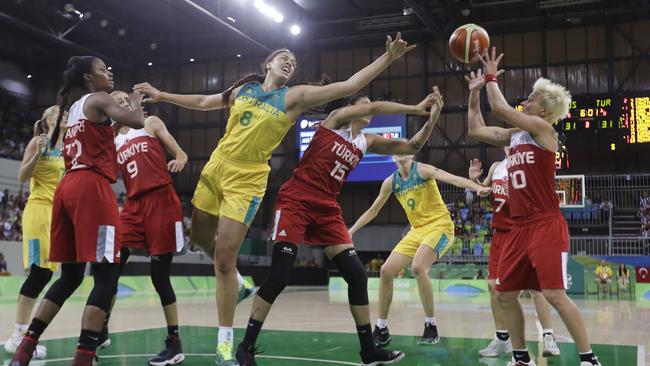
pixel 644 213
pixel 16 126
pixel 11 212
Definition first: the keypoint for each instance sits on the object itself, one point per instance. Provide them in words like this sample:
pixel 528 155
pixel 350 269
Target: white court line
pixel 640 355
pixel 212 355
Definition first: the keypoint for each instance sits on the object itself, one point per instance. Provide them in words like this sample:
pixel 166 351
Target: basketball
pixel 467 42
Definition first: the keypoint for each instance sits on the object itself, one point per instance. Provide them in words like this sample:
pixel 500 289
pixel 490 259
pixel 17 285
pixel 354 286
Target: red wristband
pixel 490 77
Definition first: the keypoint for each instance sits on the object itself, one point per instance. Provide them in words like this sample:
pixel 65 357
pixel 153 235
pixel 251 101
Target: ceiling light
pixel 68 7
pixel 29 76
pixel 239 55
pixel 191 60
pixel 231 19
pixel 268 10
pixel 149 63
pixel 109 68
pixel 121 32
pixel 103 23
pixel 153 45
pixel 295 29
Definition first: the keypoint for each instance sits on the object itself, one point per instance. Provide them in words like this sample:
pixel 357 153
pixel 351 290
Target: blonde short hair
pixel 554 98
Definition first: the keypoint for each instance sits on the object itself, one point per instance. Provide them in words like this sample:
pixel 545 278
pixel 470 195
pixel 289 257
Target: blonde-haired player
pixel 43 166
pixel 430 237
pixel 536 254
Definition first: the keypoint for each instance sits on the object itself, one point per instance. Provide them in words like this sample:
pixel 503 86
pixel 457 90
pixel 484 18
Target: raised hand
pixel 176 165
pixel 41 143
pixel 475 169
pixel 476 80
pixel 398 47
pixel 135 100
pixel 491 62
pixel 153 94
pixel 438 102
pixel 421 108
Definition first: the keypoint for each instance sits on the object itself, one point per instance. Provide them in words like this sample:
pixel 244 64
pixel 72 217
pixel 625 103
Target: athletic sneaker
pixel 171 355
pixel 381 336
pixel 14 341
pixel 246 356
pixel 521 363
pixel 83 358
pixel 430 335
pixel 224 355
pixel 380 357
pixel 496 348
pixel 23 354
pixel 550 346
pixel 104 340
pixel 587 363
pixel 245 291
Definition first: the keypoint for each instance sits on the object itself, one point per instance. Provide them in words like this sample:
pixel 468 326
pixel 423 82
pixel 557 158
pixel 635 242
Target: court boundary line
pixel 61 359
pixel 640 355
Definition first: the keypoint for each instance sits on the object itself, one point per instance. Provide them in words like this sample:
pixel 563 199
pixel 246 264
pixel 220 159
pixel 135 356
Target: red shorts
pixel 535 256
pixel 499 238
pixel 153 222
pixel 301 217
pixel 84 220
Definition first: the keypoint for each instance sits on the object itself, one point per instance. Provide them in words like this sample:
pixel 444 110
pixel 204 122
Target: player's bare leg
pixel 543 309
pixel 395 263
pixel 424 258
pixel 204 229
pixel 571 317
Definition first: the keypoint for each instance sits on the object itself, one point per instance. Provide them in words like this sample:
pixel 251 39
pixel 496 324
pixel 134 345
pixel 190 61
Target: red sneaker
pixel 83 358
pixel 24 352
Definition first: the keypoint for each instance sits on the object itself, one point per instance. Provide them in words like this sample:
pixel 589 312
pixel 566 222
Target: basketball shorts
pixel 535 256
pixel 300 217
pixel 37 225
pixel 499 238
pixel 84 220
pixel 153 222
pixel 231 188
pixel 438 235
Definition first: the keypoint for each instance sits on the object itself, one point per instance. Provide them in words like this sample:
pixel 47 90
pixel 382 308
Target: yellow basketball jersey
pixel 256 126
pixel 48 174
pixel 419 197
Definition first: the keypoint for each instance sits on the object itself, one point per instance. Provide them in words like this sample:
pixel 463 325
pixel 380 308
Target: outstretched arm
pixel 427 171
pixel 302 97
pixel 380 201
pixel 155 126
pixel 475 172
pixel 106 105
pixel 381 145
pixel 191 101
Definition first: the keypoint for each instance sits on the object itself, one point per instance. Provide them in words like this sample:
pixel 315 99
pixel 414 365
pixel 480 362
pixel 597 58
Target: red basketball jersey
pixel 500 209
pixel 531 184
pixel 88 145
pixel 328 160
pixel 141 160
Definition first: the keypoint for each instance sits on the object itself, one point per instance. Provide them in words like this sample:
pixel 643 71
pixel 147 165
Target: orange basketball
pixel 467 42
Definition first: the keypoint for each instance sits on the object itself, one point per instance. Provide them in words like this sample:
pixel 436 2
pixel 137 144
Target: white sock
pixel 431 320
pixel 544 331
pixel 226 335
pixel 382 323
pixel 240 280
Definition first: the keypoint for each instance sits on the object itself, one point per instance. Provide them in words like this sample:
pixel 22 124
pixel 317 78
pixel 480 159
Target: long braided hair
pixel 73 78
pixel 254 76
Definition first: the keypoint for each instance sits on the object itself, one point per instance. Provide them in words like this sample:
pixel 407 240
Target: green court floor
pixel 311 349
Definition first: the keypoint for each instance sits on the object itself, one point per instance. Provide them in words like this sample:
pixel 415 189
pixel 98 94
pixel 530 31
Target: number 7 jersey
pixel 141 160
pixel 500 209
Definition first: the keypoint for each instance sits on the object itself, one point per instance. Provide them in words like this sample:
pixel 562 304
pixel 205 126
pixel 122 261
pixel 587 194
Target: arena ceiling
pixel 130 33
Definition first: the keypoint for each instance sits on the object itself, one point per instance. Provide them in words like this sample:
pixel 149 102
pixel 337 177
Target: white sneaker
pixel 14 341
pixel 586 363
pixel 496 348
pixel 550 346
pixel 515 363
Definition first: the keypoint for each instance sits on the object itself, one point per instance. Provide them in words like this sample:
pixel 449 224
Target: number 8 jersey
pixel 531 184
pixel 141 160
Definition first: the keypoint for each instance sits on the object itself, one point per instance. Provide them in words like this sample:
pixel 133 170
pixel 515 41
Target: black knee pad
pixel 36 281
pixel 282 262
pixel 125 253
pixel 105 276
pixel 160 268
pixel 353 272
pixel 71 276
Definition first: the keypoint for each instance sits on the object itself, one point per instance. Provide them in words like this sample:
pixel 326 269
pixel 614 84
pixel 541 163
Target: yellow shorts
pixel 231 188
pixel 37 221
pixel 438 235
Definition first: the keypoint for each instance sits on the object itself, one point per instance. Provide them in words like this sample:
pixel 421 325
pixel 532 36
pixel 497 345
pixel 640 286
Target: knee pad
pixel 350 266
pixel 72 274
pixel 282 262
pixel 160 267
pixel 36 281
pixel 125 253
pixel 105 276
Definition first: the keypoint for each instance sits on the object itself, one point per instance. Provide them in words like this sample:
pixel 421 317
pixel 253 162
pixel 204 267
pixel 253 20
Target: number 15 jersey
pixel 141 160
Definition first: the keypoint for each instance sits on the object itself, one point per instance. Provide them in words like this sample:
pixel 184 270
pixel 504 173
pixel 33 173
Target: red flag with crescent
pixel 643 274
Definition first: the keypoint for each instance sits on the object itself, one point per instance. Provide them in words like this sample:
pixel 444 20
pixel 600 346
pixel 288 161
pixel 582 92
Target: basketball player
pixel 307 211
pixel 537 252
pixel 430 237
pixel 497 178
pixel 84 214
pixel 152 216
pixel 43 165
pixel 233 182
